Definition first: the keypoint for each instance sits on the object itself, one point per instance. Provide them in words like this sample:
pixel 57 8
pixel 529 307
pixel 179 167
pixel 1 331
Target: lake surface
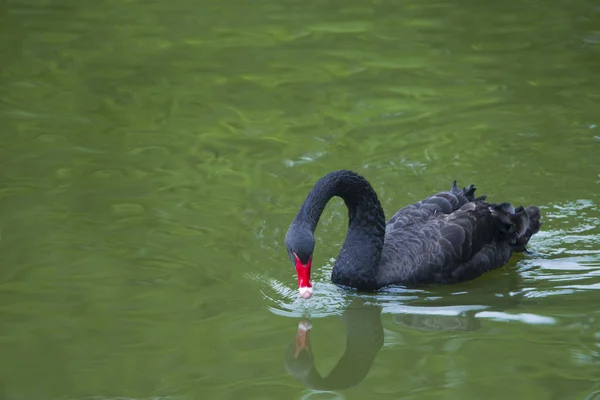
pixel 154 153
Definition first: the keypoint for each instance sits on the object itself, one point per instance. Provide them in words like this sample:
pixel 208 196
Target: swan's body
pixel 445 238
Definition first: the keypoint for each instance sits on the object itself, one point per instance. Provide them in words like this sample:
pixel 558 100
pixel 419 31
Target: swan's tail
pixel 520 224
pixel 535 223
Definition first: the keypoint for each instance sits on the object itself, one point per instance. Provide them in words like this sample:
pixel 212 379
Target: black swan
pixel 447 237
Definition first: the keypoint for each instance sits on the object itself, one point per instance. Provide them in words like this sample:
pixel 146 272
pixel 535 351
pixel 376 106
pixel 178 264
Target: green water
pixel 154 153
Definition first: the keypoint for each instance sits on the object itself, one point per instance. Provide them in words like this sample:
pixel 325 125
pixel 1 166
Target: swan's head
pixel 300 245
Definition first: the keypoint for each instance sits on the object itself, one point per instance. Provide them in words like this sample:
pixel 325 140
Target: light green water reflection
pixel 154 153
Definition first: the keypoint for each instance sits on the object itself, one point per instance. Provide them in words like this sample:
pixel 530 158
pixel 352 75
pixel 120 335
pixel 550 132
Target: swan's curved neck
pixel 357 263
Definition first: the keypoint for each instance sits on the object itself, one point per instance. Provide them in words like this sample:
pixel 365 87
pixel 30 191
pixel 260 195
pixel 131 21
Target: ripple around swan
pixel 331 300
pixel 565 260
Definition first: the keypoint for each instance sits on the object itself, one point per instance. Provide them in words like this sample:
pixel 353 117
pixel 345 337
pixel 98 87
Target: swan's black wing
pixel 439 203
pixel 460 246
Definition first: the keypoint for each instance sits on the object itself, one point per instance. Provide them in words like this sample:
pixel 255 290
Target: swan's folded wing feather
pixel 463 245
pixel 439 203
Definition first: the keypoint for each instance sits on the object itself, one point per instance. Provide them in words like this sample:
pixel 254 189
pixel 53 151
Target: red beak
pixel 304 283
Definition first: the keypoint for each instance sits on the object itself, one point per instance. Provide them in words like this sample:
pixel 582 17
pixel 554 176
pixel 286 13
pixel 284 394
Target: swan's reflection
pixel 465 323
pixel 364 339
